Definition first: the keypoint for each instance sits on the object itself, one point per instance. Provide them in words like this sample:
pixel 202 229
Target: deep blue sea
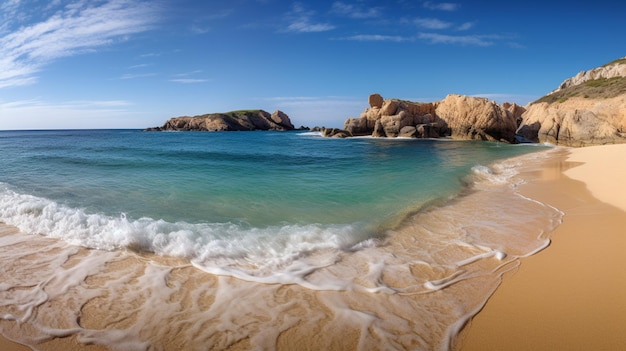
pixel 230 193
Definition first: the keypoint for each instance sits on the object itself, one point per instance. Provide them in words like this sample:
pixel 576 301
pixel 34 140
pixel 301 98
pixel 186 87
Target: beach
pixel 568 296
pixel 571 296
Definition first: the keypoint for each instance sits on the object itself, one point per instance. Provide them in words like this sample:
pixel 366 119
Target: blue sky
pixel 134 64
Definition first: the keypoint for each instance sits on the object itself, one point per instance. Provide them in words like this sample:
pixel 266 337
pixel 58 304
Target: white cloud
pixel 376 37
pixel 75 29
pixel 354 11
pixel 474 40
pixel 301 20
pixel 442 6
pixel 137 75
pixel 188 80
pixel 305 27
pixel 466 26
pixel 432 23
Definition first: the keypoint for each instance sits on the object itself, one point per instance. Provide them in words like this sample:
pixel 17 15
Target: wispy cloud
pixel 205 24
pixel 355 11
pixel 466 26
pixel 432 23
pixel 376 37
pixel 141 65
pixel 442 6
pixel 473 40
pixel 302 20
pixel 77 28
pixel 188 78
pixel 135 75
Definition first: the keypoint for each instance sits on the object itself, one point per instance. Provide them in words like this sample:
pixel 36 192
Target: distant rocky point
pixel 243 120
pixel 456 117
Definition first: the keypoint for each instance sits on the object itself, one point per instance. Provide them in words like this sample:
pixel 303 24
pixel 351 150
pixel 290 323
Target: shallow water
pixel 376 237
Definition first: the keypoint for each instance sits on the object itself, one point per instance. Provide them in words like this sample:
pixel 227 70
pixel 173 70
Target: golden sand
pixel 571 296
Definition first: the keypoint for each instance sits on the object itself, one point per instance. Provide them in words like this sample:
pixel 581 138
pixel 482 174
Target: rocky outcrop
pixel 335 133
pixel 229 121
pixel 457 116
pixel 576 122
pixel 587 109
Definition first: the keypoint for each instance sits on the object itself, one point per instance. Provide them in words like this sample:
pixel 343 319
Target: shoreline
pixel 541 176
pixel 571 295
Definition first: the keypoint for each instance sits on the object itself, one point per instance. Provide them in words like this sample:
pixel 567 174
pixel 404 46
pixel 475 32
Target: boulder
pixel 476 118
pixel 375 100
pixel 336 133
pixel 281 118
pixel 407 132
pixel 389 108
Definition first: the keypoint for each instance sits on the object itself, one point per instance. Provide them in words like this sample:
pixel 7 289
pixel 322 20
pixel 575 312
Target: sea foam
pixel 215 247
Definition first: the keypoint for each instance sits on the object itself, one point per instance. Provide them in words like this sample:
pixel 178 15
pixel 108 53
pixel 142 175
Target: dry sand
pixel 571 296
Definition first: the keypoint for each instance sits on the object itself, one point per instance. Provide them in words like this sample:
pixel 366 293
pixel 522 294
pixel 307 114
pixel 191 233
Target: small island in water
pixel 241 120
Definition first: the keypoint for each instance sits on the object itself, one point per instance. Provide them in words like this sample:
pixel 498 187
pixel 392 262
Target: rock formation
pixel 457 116
pixel 229 121
pixel 587 109
pixel 578 121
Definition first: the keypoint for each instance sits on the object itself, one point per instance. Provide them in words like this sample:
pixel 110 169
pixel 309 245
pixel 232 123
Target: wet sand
pixel 8 345
pixel 571 296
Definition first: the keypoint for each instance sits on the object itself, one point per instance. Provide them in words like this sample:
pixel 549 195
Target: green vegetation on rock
pixel 592 89
pixel 618 61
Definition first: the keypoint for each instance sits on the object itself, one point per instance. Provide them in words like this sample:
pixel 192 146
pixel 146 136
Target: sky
pixel 134 64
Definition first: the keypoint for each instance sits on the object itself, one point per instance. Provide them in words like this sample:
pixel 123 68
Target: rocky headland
pixel 587 109
pixel 243 120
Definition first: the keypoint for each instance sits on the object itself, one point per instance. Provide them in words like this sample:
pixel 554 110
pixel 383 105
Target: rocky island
pixel 242 120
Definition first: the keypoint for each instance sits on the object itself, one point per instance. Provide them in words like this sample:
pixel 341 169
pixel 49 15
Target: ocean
pixel 382 219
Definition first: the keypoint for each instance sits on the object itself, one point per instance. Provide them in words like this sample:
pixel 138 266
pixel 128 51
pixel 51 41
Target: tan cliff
pixel 578 121
pixel 587 109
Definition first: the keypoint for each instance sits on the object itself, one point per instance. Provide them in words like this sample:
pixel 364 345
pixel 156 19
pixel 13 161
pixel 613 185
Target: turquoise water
pixel 265 195
pixel 399 241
